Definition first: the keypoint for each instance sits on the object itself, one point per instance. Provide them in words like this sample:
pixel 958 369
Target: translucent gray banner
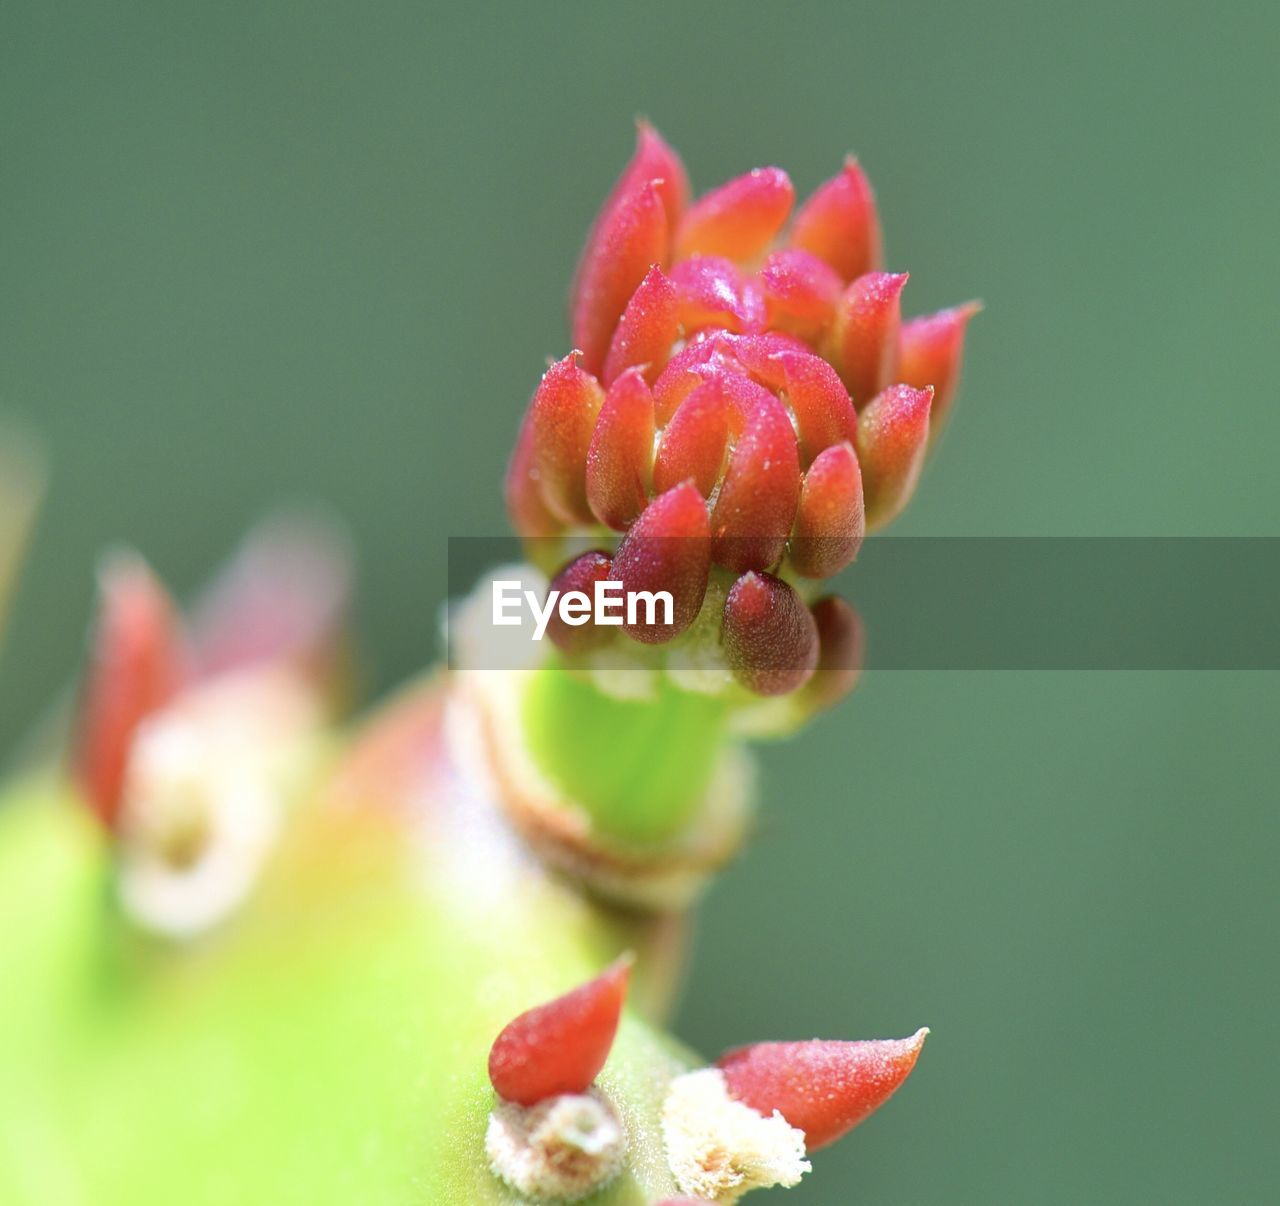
pixel 1011 603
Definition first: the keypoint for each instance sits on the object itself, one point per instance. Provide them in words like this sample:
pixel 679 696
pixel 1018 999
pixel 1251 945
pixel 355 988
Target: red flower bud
pixel 930 352
pixel 830 519
pixel 687 370
pixel 137 664
pixel 523 489
pixel 632 238
pixel 864 338
pixel 693 442
pixel 620 454
pixel 712 292
pixel 756 505
pixel 770 638
pixel 840 225
pixel 800 292
pixel 823 1088
pixel 649 326
pixel 893 433
pixel 841 646
pixel 739 219
pixel 821 404
pixel 562 416
pixel 668 548
pixel 561 1046
pixel 580 574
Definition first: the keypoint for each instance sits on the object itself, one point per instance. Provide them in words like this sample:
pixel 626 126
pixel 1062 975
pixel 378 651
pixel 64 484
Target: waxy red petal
pixel 823 410
pixel 756 506
pixel 770 639
pixel 562 417
pixel 712 292
pixel 800 292
pixel 522 489
pixel 581 574
pixel 841 649
pixel 739 219
pixel 864 337
pixel 668 548
pixel 561 1046
pixel 693 442
pixel 823 1088
pixel 137 664
pixel 840 225
pixel 893 435
pixel 930 352
pixel 687 370
pixel 831 517
pixel 632 238
pixel 620 454
pixel 646 331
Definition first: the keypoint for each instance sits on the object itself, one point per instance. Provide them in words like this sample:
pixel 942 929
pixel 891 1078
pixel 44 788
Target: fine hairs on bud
pixel 562 1149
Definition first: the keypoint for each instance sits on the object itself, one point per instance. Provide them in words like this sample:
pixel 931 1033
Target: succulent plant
pixel 427 957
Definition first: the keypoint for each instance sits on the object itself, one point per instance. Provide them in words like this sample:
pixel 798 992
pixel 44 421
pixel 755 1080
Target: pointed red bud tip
pixel 841 649
pixel 831 517
pixel 581 574
pixel 823 1088
pixel 893 433
pixel 800 292
pixel 526 509
pixel 770 638
pixel 839 224
pixel 668 548
pixel 694 441
pixel 649 326
pixel 930 352
pixel 632 237
pixel 137 664
pixel 561 1046
pixel 562 416
pixel 620 455
pixel 739 219
pixel 756 506
pixel 652 160
pixel 864 337
pixel 687 370
pixel 712 292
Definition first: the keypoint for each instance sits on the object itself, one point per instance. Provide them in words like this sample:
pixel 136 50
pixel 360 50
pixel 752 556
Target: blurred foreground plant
pixel 429 961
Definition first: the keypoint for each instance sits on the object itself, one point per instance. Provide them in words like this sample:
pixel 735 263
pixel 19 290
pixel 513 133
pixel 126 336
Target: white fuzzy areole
pixel 190 789
pixel 718 1148
pixel 561 1149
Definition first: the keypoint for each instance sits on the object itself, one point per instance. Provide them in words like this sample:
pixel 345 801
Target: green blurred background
pixel 257 251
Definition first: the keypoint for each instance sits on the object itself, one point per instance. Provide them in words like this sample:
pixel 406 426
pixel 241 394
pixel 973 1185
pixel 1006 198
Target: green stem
pixel 639 768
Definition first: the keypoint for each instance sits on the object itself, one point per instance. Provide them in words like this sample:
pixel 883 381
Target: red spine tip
pixel 137 663
pixel 770 638
pixel 823 1088
pixel 561 1046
